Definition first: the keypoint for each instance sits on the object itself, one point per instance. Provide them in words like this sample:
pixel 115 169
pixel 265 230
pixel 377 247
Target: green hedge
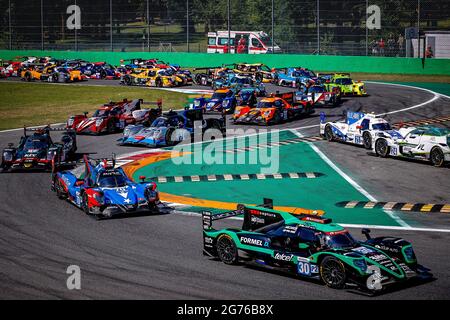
pixel 318 63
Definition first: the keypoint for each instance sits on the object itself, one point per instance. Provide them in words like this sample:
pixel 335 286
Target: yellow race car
pixel 260 72
pixel 151 77
pixel 51 73
pixel 347 85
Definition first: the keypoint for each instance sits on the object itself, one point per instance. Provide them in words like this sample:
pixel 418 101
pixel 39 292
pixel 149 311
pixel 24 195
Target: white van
pixel 251 42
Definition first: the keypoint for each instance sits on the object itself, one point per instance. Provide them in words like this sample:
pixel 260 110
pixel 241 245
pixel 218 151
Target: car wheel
pixel 437 157
pixel 259 77
pixel 158 82
pixel 59 190
pixel 382 148
pixel 28 77
pixel 226 249
pixel 169 141
pixel 111 127
pixel 127 80
pixel 367 140
pixel 332 273
pixel 102 74
pixel 329 133
pixel 84 203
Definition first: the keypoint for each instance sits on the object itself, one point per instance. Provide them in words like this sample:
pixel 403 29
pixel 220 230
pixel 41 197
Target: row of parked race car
pixel 150 72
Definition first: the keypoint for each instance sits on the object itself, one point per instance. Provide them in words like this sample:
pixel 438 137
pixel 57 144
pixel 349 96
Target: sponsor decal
pixel 283 257
pixel 252 241
pixel 262 213
pixel 363 250
pixel 257 220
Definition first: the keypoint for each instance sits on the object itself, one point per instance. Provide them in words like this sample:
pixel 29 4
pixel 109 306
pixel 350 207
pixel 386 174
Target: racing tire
pixel 381 148
pixel 437 157
pixel 329 133
pixel 58 189
pixel 332 273
pixel 367 140
pixel 158 83
pixel 84 203
pixel 110 128
pixel 103 74
pixel 28 77
pixel 259 77
pixel 169 141
pixel 226 249
pixel 127 80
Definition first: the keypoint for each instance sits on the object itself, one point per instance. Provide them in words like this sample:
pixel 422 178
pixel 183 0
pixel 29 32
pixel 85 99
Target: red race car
pixel 115 116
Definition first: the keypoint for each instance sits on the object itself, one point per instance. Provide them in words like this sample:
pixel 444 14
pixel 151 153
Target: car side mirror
pixel 303 246
pixel 366 232
pixel 142 178
pixel 79 183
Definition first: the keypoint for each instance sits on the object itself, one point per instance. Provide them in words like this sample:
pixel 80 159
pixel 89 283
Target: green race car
pixel 311 246
pixel 347 86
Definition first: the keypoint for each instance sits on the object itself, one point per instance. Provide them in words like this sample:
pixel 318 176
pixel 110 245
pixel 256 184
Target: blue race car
pixel 294 77
pixel 101 70
pixel 222 100
pixel 170 129
pixel 102 190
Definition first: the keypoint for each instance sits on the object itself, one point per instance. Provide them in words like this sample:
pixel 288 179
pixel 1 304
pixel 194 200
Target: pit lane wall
pixel 385 65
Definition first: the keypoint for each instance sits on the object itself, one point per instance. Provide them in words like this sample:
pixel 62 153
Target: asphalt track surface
pixel 160 256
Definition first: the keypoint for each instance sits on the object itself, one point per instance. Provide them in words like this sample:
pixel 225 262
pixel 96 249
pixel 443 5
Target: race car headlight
pixel 50 155
pixel 157 134
pixel 360 264
pixel 211 104
pixel 98 122
pixel 196 103
pixel 225 103
pixel 99 197
pixel 409 254
pixel 266 113
pixel 7 156
pixel 126 132
pixel 70 122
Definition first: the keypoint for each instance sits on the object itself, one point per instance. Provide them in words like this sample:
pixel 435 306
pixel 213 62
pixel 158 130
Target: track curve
pixel 160 257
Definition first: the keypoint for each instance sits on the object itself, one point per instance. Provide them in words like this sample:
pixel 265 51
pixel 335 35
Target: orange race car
pixel 274 109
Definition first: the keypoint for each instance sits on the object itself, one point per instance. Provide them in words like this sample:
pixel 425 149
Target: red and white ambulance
pixel 251 42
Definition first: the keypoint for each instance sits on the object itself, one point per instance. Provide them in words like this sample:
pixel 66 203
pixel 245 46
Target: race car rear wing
pixel 288 96
pixel 47 129
pixel 208 217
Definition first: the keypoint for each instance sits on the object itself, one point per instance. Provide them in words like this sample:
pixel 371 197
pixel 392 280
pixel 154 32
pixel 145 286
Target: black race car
pixel 38 151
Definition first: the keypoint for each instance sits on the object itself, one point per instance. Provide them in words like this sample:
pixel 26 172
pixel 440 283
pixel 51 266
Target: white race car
pixel 423 143
pixel 358 128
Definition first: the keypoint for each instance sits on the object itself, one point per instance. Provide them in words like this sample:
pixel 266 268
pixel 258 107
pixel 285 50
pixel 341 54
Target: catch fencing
pixel 322 27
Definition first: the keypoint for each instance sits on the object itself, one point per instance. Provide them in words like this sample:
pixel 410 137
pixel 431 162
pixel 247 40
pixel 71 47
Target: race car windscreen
pixel 111 179
pixel 340 240
pixel 316 89
pixel 101 113
pixel 35 144
pixel 346 81
pixel 381 126
pixel 219 96
pixel 265 104
pixel 160 122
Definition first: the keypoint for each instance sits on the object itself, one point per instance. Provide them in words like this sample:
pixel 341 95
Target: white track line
pixel 435 97
pixel 346 225
pixel 350 180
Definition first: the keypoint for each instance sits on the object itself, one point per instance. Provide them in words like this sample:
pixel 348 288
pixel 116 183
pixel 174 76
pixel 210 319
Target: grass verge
pixel 40 103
